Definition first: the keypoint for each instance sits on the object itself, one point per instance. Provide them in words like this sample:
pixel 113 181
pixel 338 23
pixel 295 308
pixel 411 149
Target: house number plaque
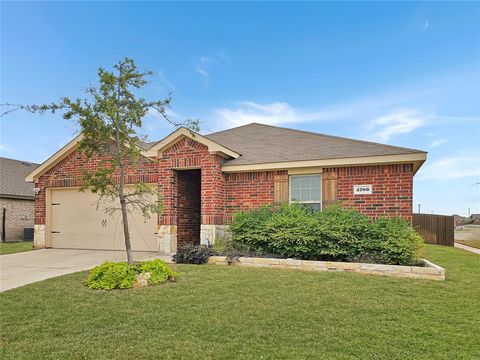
pixel 362 189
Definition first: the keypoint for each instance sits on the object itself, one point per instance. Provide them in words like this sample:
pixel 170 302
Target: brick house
pixel 17 199
pixel 205 179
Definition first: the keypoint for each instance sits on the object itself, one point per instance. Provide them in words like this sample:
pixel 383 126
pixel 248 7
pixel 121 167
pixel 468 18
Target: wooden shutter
pixel 329 189
pixel 280 189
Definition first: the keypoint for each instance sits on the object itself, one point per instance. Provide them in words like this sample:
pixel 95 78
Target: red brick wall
pixel 392 189
pixel 249 190
pixel 188 207
pixel 68 172
pixel 184 154
pixel 224 193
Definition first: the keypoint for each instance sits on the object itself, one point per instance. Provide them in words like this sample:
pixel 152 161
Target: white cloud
pixel 165 83
pixel 205 64
pixel 6 149
pixel 201 69
pixel 278 112
pixel 461 165
pixel 437 142
pixel 275 113
pixel 398 122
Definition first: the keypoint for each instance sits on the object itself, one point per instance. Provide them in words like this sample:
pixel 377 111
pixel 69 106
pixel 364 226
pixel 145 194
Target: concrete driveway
pixel 32 266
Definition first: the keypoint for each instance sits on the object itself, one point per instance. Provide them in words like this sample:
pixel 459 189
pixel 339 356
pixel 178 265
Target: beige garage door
pixel 76 223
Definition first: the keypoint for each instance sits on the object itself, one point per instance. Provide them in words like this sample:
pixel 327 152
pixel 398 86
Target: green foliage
pixel 192 254
pixel 396 241
pixel 159 271
pixel 111 275
pixel 121 275
pixel 248 228
pixel 110 119
pixel 335 233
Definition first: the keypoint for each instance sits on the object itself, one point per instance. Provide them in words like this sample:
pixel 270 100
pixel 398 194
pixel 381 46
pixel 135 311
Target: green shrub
pixel 249 229
pixel 335 233
pixel 121 275
pixel 192 254
pixel 159 271
pixel 396 240
pixel 111 275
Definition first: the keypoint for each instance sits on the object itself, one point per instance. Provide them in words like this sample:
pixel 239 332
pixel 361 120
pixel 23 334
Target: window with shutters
pixel 306 189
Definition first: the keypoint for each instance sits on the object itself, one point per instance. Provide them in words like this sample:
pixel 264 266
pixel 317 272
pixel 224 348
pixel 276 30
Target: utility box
pixel 27 233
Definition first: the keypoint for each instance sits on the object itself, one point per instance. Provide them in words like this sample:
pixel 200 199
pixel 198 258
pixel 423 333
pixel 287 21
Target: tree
pixel 110 121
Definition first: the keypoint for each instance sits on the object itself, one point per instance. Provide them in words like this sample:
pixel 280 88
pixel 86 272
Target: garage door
pixel 76 223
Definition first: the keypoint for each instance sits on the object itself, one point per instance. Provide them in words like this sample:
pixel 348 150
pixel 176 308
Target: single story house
pixel 17 199
pixel 205 179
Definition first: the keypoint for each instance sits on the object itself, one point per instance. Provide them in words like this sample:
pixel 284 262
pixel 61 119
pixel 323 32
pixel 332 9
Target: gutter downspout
pixel 4 215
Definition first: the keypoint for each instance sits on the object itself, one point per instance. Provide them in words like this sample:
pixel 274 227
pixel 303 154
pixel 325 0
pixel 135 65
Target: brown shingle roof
pixel 12 178
pixel 259 144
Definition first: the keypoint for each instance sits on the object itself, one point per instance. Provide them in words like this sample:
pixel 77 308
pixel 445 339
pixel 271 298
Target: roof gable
pixel 181 133
pixel 63 153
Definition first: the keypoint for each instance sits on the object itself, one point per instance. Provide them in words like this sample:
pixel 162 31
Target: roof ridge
pixel 327 135
pixel 21 161
pixel 236 127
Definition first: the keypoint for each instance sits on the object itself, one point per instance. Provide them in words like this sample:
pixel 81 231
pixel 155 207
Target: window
pixel 306 189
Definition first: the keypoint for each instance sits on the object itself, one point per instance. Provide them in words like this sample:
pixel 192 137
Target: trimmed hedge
pixel 120 275
pixel 336 233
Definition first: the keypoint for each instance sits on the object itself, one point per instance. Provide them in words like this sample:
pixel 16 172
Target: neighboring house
pixel 17 198
pixel 474 219
pixel 205 179
pixel 457 219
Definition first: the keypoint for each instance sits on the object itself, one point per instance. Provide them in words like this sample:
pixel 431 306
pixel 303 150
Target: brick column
pixel 167 230
pixel 213 199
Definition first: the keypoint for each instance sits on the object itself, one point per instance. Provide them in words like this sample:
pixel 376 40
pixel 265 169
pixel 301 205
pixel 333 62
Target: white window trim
pixel 304 202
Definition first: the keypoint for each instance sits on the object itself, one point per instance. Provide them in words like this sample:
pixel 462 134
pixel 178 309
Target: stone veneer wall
pixel 429 272
pixel 19 215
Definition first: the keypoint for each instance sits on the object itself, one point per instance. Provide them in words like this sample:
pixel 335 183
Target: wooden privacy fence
pixel 435 229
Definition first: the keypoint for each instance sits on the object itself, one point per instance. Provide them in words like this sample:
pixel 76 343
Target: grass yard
pixel 473 243
pixel 232 312
pixel 15 247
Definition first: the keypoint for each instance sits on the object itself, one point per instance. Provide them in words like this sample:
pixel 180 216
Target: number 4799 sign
pixel 362 189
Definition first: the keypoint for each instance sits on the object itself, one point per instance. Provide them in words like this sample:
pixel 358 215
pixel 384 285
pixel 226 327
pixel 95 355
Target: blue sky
pixel 406 74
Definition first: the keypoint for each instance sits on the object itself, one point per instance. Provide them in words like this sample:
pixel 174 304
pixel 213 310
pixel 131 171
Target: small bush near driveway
pixel 336 234
pixel 121 275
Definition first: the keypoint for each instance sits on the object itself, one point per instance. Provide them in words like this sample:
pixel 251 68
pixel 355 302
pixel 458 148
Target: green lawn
pixel 232 312
pixel 473 243
pixel 15 247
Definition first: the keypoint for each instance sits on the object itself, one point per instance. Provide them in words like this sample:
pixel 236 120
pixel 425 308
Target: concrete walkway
pixel 32 266
pixel 468 248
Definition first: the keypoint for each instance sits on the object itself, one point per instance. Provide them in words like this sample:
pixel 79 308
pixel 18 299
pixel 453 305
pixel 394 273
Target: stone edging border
pixel 431 271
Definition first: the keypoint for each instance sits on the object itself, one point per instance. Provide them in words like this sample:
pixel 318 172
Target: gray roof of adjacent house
pixel 144 145
pixel 12 178
pixel 260 144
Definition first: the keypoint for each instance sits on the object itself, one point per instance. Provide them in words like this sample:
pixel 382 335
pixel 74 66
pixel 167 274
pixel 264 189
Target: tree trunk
pixel 128 245
pixel 126 232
